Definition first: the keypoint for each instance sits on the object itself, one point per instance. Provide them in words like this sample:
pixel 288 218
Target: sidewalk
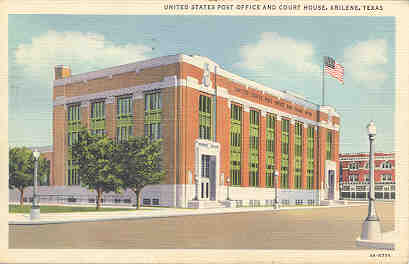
pixel 152 212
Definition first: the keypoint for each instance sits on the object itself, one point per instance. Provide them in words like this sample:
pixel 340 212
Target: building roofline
pixel 195 60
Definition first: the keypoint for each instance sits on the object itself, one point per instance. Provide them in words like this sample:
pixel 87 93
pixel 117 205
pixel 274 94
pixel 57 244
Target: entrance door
pixel 331 181
pixel 208 177
pixel 205 177
pixel 212 178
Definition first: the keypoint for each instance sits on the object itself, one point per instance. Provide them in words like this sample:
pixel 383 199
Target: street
pixel 321 228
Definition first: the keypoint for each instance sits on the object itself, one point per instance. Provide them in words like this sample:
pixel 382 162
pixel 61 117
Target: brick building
pixel 354 171
pixel 215 125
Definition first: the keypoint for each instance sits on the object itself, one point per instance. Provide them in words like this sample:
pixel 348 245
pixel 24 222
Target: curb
pixel 102 219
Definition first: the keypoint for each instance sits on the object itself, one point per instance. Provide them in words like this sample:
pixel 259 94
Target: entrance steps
pixel 205 204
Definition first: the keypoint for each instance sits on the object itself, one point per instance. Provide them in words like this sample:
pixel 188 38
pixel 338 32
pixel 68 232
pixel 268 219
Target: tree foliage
pixel 139 164
pixel 21 169
pixel 95 155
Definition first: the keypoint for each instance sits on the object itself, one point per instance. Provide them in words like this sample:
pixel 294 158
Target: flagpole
pixel 323 77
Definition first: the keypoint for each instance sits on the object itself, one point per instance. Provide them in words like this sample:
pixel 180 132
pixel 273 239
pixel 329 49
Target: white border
pixel 399 9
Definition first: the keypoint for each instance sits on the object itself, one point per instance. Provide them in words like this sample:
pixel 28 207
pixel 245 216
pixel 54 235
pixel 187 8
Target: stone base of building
pixel 184 196
pixel 197 204
pixel 179 195
pixel 333 202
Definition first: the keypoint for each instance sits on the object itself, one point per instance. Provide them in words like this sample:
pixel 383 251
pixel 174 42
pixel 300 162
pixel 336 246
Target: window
pixel 74 124
pixel 329 145
pixel 153 101
pixel 206 166
pixel 98 118
pixel 72 173
pixel 153 115
pixel 254 148
pixel 353 178
pixel 386 177
pixel 386 165
pixel 310 157
pixel 270 149
pixel 298 152
pixel 298 202
pixel 285 149
pixel 354 166
pixel 205 117
pixel 124 118
pixel 235 144
pixel 366 176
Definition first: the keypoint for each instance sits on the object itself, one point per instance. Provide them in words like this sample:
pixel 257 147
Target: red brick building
pixel 354 171
pixel 215 126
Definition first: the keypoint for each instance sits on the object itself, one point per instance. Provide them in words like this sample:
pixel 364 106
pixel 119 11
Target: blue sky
pixel 284 53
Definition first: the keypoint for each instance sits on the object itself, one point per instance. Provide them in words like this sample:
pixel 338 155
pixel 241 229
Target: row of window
pixel 235 150
pixel 124 123
pixel 124 107
pixel 383 165
pixel 355 178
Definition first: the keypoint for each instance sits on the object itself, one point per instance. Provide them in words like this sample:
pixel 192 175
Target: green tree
pixel 21 169
pixel 139 161
pixel 94 155
pixel 44 167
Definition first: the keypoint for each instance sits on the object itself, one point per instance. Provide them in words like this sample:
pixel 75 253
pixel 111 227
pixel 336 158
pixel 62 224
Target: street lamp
pixel 371 228
pixel 275 186
pixel 228 185
pixel 35 208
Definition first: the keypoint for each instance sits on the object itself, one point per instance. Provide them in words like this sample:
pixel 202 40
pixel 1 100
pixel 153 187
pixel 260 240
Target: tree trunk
pixel 21 197
pixel 138 198
pixel 99 198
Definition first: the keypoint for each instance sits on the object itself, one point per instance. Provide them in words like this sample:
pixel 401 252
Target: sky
pixel 284 53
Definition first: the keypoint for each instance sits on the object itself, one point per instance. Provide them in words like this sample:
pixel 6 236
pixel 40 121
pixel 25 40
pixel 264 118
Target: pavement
pixel 146 212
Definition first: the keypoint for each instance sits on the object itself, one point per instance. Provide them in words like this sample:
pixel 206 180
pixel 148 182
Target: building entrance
pixel 331 184
pixel 208 177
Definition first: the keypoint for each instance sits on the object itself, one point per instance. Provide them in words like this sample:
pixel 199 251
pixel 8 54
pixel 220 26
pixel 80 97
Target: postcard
pixel 205 131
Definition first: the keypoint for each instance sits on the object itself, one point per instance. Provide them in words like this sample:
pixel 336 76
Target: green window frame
pixel 74 126
pixel 98 118
pixel 205 117
pixel 298 153
pixel 254 148
pixel 153 115
pixel 74 123
pixel 270 149
pixel 329 146
pixel 124 118
pixel 235 144
pixel 285 150
pixel 310 156
pixel 72 173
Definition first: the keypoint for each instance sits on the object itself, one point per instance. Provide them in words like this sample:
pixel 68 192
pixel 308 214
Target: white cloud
pixel 273 49
pixel 82 51
pixel 364 60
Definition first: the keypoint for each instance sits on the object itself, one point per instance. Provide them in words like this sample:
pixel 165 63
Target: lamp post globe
pixel 371 228
pixel 276 206
pixel 35 208
pixel 228 186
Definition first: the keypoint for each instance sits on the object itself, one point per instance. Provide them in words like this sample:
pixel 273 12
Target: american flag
pixel 334 69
